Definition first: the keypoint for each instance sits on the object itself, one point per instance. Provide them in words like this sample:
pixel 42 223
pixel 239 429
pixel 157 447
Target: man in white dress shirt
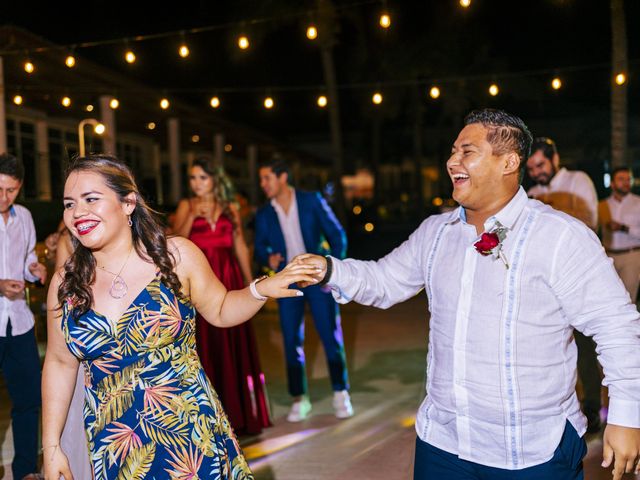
pixel 571 192
pixel 508 279
pixel 621 229
pixel 19 357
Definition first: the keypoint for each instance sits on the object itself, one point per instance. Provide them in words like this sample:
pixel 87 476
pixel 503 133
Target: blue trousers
pixel 431 463
pixel 20 364
pixel 326 317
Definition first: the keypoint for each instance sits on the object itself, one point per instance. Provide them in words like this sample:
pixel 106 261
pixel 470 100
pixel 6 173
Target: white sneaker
pixel 300 410
pixel 342 404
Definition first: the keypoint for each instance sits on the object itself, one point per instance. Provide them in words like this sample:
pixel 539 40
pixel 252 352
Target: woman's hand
pixel 55 464
pixel 277 286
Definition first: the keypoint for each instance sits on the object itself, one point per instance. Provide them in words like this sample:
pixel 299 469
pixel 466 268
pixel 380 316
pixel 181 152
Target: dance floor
pixel 386 356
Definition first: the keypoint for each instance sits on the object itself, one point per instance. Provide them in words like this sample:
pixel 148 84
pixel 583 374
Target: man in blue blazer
pixel 291 223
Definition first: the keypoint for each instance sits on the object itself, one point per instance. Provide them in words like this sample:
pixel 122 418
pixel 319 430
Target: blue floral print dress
pixel 150 411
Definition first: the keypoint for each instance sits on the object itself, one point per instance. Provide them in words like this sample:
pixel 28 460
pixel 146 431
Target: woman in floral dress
pixel 124 307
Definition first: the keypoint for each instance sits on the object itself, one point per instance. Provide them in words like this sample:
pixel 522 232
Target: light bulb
pixel 377 98
pixel 268 103
pixel 494 90
pixel 322 101
pixel 18 99
pixel 164 104
pixel 312 32
pixel 243 42
pixel 556 83
pixel 70 61
pixel 29 67
pixel 66 101
pixel 183 51
pixel 385 20
pixel 130 57
pixel 434 92
pixel 114 103
pixel 214 102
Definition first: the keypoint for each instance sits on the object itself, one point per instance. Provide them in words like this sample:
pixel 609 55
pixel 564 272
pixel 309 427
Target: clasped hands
pixel 303 270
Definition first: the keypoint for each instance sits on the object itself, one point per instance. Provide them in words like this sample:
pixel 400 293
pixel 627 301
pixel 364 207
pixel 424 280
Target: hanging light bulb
pixel 66 102
pixel 269 103
pixel 621 78
pixel 195 138
pixel 434 92
pixel 385 20
pixel 465 3
pixel 29 67
pixel 151 125
pixel 377 98
pixel 99 128
pixel 312 32
pixel 89 108
pixel 164 104
pixel 493 90
pixel 129 56
pixel 18 99
pixel 183 51
pixel 70 61
pixel 322 101
pixel 214 102
pixel 243 42
pixel 114 103
pixel 556 83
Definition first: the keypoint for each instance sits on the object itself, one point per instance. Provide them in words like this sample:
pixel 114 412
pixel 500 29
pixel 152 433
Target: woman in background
pixel 211 220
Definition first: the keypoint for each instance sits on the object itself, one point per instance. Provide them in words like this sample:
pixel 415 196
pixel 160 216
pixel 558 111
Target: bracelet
pixel 327 273
pixel 254 291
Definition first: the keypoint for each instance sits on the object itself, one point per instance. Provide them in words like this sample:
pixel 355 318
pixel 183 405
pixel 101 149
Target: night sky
pixel 429 42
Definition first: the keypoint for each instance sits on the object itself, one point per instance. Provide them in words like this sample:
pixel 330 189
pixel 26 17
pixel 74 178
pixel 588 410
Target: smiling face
pixel 621 182
pixel 478 176
pixel 201 182
pixel 93 213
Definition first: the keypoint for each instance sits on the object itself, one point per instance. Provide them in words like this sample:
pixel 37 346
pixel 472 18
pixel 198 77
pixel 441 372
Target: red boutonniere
pixel 490 243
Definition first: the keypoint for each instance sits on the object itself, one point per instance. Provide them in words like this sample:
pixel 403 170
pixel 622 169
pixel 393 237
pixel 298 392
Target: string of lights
pixel 435 88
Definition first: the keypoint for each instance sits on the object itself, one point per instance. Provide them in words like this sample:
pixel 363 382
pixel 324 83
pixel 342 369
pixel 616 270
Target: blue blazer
pixel 318 223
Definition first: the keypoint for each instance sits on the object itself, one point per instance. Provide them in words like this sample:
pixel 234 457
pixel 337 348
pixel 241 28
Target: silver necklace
pixel 118 287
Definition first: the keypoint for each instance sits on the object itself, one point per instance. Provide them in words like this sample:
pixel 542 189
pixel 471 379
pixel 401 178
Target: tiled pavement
pixel 386 356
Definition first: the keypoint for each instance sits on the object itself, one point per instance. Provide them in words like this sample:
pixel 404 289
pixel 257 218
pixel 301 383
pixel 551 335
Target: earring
pixel 129 222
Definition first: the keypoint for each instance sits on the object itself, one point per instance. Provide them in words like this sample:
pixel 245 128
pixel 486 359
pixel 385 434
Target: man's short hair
pixel 278 165
pixel 11 166
pixel 546 146
pixel 506 132
pixel 617 170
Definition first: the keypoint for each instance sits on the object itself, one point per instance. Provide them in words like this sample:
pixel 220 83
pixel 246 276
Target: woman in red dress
pixel 229 355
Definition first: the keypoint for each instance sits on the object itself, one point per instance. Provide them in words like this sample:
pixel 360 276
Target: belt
pixel 624 250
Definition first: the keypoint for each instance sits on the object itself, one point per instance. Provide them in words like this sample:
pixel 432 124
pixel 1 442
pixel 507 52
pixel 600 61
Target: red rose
pixel 487 242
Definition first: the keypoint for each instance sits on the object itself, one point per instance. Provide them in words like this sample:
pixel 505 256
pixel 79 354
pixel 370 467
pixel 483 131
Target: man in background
pixel 291 223
pixel 19 357
pixel 620 222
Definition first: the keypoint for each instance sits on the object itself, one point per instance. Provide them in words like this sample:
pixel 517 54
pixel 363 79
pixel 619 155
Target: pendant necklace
pixel 119 287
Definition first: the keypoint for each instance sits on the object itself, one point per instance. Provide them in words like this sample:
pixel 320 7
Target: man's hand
pixel 622 446
pixel 274 260
pixel 318 262
pixel 39 270
pixel 12 289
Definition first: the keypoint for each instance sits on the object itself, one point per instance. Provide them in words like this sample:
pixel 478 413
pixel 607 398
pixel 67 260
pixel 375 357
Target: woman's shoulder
pixel 181 248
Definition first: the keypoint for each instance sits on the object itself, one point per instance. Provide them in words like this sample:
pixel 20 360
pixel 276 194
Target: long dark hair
pixel 149 238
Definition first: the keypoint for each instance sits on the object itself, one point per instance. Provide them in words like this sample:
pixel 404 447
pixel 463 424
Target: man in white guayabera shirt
pixel 508 279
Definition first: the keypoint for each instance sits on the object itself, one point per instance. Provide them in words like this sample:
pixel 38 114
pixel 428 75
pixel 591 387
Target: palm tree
pixel 618 92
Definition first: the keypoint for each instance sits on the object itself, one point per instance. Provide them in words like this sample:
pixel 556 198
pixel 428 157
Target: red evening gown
pixel 230 355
